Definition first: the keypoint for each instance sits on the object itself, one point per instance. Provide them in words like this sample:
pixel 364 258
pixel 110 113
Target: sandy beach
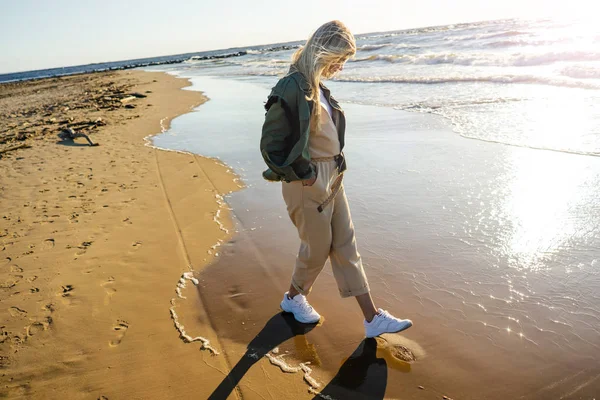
pixel 125 273
pixel 94 241
pixel 101 246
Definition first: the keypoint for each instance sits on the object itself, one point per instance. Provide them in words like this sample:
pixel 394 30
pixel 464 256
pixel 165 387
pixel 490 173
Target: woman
pixel 302 142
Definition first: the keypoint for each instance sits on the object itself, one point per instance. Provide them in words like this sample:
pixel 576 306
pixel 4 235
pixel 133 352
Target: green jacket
pixel 285 132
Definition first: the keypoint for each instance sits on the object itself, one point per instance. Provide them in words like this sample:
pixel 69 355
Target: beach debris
pixel 11 137
pixel 20 146
pixel 68 134
pixel 127 99
pixel 59 101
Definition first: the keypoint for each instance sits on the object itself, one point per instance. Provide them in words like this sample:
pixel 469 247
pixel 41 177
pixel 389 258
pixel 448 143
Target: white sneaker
pixel 303 312
pixel 384 322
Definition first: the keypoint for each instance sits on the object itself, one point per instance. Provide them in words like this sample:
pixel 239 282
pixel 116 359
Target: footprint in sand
pixel 83 248
pixel 48 244
pixel 13 279
pixel 21 390
pixel 401 348
pixel 4 336
pixel 73 218
pixel 15 268
pixel 110 290
pixel 66 290
pixel 17 312
pixel 36 328
pixel 4 361
pixel 66 294
pixel 9 283
pixel 402 353
pixel 121 329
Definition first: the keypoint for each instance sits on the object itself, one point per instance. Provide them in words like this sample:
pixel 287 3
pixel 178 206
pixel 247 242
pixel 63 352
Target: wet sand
pixel 483 329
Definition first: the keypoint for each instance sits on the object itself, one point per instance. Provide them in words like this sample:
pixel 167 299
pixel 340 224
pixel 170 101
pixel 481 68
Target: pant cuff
pixel 355 292
pixel 300 290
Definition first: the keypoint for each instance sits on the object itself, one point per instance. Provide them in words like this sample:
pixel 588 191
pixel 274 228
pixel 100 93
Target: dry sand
pixel 93 243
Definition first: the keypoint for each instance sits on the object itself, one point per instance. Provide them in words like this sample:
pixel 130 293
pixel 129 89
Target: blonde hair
pixel 331 43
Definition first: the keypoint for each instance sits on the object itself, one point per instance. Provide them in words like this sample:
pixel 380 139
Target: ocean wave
pixel 552 57
pixel 580 72
pixel 484 36
pixel 530 146
pixel 483 59
pixel 447 109
pixel 376 57
pixel 523 43
pixel 270 64
pixel 407 32
pixel 370 47
pixel 271 72
pixel 522 79
pixel 378 36
pixel 406 46
pixel 432 105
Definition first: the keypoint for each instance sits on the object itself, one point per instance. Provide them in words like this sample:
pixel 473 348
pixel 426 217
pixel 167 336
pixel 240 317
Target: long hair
pixel 330 44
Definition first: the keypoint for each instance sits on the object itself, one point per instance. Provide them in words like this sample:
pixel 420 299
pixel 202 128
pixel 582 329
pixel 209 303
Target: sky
pixel 38 34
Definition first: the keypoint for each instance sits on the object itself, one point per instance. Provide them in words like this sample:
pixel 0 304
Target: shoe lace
pixel 384 314
pixel 304 306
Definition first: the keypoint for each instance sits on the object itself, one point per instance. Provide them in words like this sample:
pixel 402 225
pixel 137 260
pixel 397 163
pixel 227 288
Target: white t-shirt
pixel 325 103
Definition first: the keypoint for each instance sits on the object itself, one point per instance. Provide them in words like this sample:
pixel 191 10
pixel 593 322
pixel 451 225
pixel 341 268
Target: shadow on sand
pixel 280 328
pixel 363 375
pixel 72 143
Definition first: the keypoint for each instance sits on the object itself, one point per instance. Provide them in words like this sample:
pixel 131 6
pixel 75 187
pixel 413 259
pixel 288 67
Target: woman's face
pixel 334 68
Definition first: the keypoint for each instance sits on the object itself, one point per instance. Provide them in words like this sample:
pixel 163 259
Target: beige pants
pixel 324 234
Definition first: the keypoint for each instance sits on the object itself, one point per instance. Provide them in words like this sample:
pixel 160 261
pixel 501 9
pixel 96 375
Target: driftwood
pixel 11 137
pixel 19 146
pixel 8 138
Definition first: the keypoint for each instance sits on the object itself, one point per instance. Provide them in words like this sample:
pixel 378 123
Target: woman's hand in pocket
pixel 309 182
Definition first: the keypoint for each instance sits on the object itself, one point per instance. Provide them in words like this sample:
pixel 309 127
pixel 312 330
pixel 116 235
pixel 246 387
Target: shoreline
pixel 100 303
pixel 405 251
pixel 86 265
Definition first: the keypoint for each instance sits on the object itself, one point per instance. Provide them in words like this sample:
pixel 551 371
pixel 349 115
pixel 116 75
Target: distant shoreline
pixel 137 63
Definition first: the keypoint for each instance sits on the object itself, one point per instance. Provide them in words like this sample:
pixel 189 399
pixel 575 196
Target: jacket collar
pixel 303 84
